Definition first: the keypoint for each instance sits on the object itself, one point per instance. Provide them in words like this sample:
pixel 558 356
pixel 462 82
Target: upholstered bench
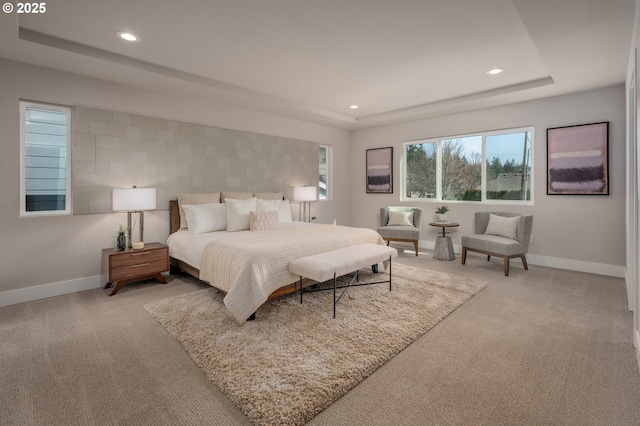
pixel 322 267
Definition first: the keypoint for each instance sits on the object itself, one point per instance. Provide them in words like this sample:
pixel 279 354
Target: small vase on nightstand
pixel 443 217
pixel 122 242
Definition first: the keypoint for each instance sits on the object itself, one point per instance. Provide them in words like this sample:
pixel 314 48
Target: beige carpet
pixel 294 360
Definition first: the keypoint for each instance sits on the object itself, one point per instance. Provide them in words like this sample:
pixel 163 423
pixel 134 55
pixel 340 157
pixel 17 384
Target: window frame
pixel 483 200
pixel 23 105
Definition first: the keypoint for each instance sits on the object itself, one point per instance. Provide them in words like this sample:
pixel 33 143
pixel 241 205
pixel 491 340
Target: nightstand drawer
pixel 141 268
pixel 136 258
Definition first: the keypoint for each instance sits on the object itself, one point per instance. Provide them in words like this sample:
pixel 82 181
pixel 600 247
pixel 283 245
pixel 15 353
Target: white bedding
pixel 249 266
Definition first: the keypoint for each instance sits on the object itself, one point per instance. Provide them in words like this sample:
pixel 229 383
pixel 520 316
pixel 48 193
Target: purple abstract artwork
pixel 380 170
pixel 577 160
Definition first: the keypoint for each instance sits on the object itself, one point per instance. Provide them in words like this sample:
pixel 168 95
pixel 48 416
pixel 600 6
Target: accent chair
pixel 400 224
pixel 500 234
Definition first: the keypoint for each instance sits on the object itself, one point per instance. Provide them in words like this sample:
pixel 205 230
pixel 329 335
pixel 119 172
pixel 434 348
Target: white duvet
pixel 249 266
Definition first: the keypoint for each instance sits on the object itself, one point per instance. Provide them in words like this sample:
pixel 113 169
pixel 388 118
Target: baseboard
pixel 636 344
pixel 617 271
pixel 12 297
pixel 29 294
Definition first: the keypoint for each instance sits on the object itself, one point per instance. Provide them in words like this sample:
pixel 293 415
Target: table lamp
pixel 305 194
pixel 134 200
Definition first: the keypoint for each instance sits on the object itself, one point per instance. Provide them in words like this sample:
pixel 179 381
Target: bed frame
pixel 178 265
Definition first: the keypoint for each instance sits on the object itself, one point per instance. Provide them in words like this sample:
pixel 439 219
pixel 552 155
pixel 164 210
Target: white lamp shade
pixel 305 193
pixel 134 199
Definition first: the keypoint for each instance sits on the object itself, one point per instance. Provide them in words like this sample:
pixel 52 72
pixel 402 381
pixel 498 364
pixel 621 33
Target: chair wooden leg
pixel 506 266
pixel 415 244
pixel 464 255
pixel 524 263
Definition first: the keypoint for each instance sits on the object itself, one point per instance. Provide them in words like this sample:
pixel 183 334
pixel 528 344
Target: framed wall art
pixel 380 170
pixel 578 160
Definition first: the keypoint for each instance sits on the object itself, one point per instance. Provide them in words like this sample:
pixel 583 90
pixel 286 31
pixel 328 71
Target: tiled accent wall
pixel 112 149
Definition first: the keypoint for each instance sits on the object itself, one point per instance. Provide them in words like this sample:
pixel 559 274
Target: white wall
pixel 66 250
pixel 572 232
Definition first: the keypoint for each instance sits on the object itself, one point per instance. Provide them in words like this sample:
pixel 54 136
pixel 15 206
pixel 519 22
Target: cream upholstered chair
pixel 400 224
pixel 500 234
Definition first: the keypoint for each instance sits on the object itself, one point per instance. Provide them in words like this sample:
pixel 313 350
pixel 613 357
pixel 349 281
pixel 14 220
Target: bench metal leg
pixel 355 281
pixel 301 290
pixel 334 294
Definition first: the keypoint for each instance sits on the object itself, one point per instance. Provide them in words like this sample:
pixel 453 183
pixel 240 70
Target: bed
pixel 253 267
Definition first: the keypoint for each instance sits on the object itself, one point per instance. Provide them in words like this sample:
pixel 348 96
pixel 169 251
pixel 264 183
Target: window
pixel 492 167
pixel 45 178
pixel 323 186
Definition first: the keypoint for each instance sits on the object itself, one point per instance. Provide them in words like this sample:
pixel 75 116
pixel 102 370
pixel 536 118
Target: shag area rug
pixel 295 360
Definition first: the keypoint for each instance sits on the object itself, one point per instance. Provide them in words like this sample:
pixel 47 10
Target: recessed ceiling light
pixel 353 106
pixel 125 35
pixel 495 71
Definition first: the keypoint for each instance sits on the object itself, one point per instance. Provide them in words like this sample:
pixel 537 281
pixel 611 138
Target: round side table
pixel 444 246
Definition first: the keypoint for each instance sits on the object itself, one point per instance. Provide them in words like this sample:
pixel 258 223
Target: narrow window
pixel 45 172
pixel 323 185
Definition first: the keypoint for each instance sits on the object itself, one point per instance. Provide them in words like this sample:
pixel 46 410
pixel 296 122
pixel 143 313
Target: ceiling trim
pixel 81 49
pixel 427 109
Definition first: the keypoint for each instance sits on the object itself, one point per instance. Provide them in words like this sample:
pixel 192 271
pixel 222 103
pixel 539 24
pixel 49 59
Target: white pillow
pixel 265 206
pixel 238 213
pixel 205 217
pixel 263 221
pixel 503 226
pixel 284 213
pixel 195 198
pixel 400 218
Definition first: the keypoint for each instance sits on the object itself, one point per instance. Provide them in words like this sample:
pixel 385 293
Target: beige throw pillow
pixel 401 218
pixel 263 221
pixel 503 226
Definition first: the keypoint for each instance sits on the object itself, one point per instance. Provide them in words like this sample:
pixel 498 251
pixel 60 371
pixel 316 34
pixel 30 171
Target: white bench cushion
pixel 321 267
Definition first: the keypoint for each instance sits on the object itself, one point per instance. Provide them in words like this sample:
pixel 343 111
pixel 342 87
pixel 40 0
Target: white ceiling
pixel 312 59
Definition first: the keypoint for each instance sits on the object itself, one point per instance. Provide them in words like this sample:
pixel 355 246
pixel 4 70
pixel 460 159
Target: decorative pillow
pixel 268 195
pixel 265 206
pixel 284 212
pixel 235 196
pixel 195 198
pixel 263 221
pixel 503 226
pixel 238 213
pixel 205 217
pixel 401 218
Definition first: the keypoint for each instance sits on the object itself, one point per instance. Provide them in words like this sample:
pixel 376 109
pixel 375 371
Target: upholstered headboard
pixel 174 216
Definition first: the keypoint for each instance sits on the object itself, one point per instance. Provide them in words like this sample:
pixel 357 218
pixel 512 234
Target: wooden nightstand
pixel 122 267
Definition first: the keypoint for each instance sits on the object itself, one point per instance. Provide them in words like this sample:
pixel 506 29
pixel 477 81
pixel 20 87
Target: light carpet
pixel 295 360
